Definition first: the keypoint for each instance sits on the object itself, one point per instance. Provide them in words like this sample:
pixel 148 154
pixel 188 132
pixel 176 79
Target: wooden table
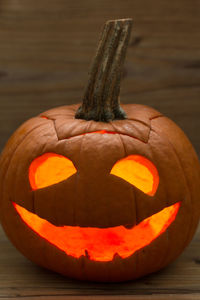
pixel 46 47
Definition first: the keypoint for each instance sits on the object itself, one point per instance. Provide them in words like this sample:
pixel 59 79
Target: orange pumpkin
pixel 109 195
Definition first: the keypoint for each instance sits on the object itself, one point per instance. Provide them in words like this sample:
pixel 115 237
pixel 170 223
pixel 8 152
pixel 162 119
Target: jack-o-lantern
pixel 100 192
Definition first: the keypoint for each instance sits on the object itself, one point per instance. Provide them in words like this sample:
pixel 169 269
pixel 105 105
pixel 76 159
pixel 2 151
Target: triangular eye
pixel 138 171
pixel 49 169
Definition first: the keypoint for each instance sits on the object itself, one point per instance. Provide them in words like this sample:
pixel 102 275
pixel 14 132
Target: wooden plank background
pixel 46 47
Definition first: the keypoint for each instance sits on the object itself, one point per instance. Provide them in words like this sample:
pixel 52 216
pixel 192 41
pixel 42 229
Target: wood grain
pixel 46 48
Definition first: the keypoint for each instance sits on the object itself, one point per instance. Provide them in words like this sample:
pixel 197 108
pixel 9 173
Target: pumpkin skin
pixel 96 197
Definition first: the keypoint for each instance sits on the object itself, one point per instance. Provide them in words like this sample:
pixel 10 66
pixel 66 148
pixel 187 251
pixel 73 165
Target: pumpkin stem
pixel 101 99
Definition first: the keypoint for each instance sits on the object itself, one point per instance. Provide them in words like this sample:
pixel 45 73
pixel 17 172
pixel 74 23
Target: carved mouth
pixel 101 244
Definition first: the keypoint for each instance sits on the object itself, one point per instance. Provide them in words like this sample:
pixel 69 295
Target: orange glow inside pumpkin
pixel 138 171
pixel 101 244
pixel 48 169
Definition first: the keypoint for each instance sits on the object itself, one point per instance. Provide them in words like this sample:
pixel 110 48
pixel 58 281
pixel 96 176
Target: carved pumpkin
pixel 110 195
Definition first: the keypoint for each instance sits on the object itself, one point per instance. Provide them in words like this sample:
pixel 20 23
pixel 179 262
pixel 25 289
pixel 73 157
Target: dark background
pixel 46 47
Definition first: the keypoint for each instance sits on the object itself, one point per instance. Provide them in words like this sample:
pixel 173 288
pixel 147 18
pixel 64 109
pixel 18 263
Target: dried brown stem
pixel 101 99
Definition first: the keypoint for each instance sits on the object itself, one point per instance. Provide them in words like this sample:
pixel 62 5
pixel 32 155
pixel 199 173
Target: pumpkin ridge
pixel 125 152
pixel 75 202
pixel 187 185
pixel 18 145
pixel 167 202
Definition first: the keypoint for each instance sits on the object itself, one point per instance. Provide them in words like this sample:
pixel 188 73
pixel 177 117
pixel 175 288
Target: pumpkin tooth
pixel 116 256
pixel 87 254
pixel 129 226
